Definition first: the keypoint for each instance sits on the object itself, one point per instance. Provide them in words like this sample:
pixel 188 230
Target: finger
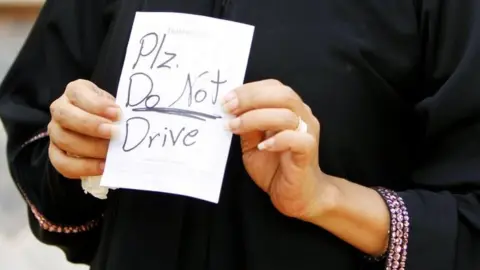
pixel 88 97
pixel 75 119
pixel 77 144
pixel 264 120
pixel 264 94
pixel 249 141
pixel 303 146
pixel 74 168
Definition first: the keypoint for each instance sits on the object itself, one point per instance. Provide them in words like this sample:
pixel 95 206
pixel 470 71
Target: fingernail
pixel 113 113
pixel 102 166
pixel 230 102
pixel 267 144
pixel 229 96
pixel 115 131
pixel 233 124
pixel 106 130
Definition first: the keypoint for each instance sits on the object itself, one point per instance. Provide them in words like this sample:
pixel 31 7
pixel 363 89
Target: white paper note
pixel 172 136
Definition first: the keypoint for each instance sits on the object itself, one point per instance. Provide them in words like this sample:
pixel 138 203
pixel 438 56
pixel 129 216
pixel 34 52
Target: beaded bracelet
pixel 396 253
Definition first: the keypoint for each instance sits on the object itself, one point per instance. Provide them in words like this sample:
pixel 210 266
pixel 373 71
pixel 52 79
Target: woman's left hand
pixel 280 158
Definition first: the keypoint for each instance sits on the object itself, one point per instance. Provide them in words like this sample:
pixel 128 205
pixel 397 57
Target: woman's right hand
pixel 80 129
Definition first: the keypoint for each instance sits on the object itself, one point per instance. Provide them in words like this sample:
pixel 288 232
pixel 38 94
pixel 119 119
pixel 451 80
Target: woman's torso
pixel 356 63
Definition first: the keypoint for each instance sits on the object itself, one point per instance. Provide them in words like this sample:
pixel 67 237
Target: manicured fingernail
pixel 102 166
pixel 229 96
pixel 230 102
pixel 106 130
pixel 233 124
pixel 114 132
pixel 267 144
pixel 114 113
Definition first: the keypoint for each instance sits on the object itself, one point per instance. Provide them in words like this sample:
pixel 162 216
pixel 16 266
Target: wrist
pixel 327 200
pixel 354 213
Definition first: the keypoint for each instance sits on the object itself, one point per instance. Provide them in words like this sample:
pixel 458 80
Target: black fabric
pixel 393 83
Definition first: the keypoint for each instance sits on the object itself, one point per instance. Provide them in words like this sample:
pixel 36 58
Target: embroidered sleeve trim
pixel 42 221
pixel 39 136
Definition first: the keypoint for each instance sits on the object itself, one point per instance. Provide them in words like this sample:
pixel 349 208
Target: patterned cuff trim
pixel 41 135
pixel 399 230
pixel 42 221
pixel 50 227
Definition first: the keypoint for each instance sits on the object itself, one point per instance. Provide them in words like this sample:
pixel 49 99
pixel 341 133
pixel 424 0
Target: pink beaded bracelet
pixel 396 254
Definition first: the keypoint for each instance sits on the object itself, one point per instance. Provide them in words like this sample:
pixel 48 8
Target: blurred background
pixel 19 250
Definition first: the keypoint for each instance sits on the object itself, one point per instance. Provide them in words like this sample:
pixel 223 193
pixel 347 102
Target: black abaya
pixel 394 83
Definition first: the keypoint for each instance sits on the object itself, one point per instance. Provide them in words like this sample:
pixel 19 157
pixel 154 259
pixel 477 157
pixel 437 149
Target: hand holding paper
pixel 172 136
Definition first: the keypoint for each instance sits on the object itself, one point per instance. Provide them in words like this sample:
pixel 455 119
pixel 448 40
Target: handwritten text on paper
pixel 177 68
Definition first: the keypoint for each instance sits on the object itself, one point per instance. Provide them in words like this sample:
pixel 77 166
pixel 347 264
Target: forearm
pixel 358 215
pixel 57 203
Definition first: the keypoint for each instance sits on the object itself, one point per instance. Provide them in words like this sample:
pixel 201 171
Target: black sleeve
pixel 62 47
pixel 444 202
